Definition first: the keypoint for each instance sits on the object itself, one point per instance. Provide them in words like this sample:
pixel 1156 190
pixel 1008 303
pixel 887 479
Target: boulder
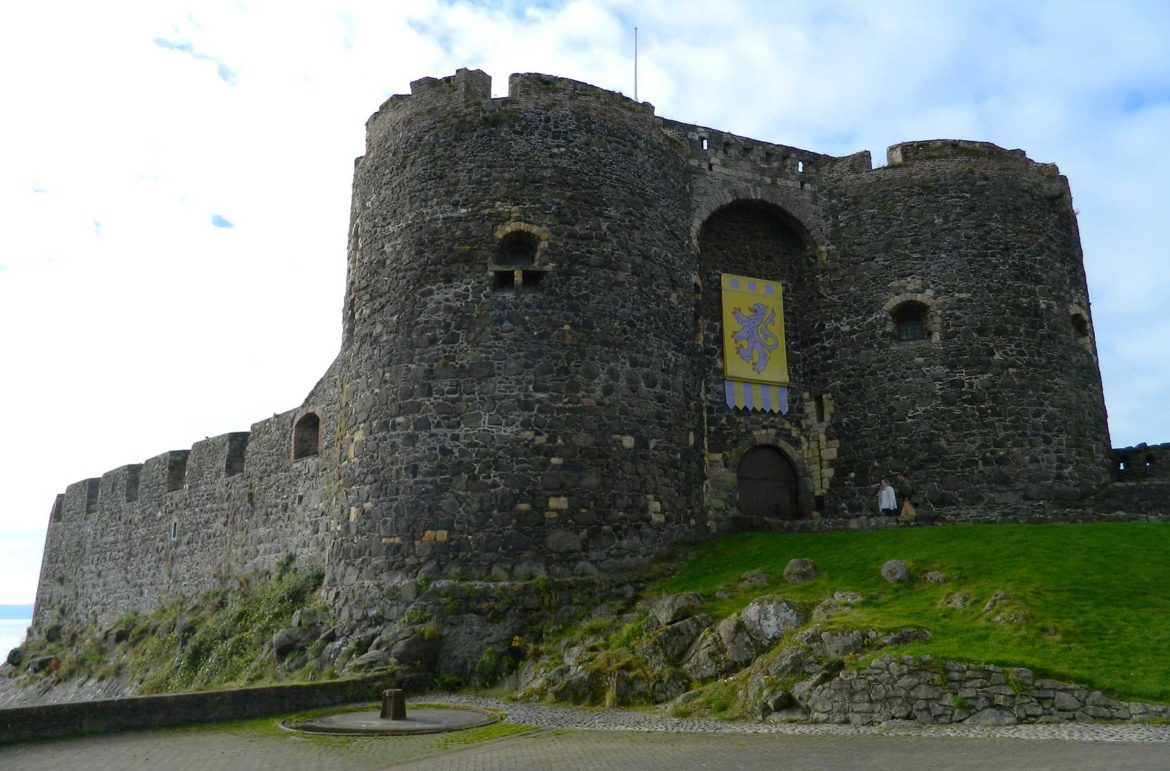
pixel 837 645
pixel 768 618
pixel 41 663
pixel 797 571
pixel 288 640
pixel 708 658
pixel 420 649
pixel 308 617
pixel 753 579
pixel 674 607
pixel 738 642
pixel 670 643
pixel 15 657
pixel 371 659
pixel 896 571
pixel 957 600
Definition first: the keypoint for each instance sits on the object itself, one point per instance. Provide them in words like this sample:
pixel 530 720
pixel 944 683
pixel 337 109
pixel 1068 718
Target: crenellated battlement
pixel 906 153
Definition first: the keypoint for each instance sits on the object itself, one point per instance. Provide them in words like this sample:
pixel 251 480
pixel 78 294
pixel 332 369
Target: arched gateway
pixel 767 489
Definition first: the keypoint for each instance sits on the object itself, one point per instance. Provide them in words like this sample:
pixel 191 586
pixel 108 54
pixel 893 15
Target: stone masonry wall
pixel 504 431
pixel 1002 401
pixel 187 521
pixel 909 688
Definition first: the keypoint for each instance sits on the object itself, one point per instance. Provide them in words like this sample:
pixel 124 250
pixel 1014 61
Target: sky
pixel 175 178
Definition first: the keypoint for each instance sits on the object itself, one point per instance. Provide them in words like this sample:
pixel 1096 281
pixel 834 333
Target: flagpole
pixel 635 64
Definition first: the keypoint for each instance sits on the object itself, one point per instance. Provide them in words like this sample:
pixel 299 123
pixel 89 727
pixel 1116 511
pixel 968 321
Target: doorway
pixel 767 488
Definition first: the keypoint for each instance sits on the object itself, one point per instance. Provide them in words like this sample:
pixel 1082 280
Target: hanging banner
pixel 755 367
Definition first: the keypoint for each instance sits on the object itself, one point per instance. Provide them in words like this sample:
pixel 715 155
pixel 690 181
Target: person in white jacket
pixel 887 500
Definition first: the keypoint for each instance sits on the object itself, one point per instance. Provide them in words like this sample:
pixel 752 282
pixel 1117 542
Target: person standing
pixel 906 494
pixel 887 500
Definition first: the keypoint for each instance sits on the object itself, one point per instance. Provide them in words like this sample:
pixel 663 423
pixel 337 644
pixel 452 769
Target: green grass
pixel 221 640
pixel 1098 596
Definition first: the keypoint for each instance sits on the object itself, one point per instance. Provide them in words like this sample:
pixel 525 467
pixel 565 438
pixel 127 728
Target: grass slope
pixel 1097 596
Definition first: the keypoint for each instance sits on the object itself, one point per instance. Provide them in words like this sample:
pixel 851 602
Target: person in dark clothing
pixel 905 496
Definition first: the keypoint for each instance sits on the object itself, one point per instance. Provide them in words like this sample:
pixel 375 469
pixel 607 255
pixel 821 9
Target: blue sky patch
pixel 220 221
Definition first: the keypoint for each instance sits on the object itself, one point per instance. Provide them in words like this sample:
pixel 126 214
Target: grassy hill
pixel 1090 603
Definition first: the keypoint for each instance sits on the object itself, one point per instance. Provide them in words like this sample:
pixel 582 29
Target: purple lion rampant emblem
pixel 753 338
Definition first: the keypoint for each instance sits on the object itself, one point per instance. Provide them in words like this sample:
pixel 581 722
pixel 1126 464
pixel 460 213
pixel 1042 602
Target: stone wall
pixel 909 688
pixel 189 520
pixel 500 429
pixel 1142 463
pixel 106 716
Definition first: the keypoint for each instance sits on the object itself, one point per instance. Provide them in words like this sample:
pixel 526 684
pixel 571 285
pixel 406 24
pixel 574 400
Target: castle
pixel 531 379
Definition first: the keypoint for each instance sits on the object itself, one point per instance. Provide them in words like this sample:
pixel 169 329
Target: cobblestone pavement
pixel 565 738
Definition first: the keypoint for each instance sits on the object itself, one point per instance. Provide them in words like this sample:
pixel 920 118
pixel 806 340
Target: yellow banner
pixel 753 331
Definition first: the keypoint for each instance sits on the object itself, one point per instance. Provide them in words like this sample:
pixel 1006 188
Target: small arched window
pixel 306 436
pixel 910 321
pixel 518 249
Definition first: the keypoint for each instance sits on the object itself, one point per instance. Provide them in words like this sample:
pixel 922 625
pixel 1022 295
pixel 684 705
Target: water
pixel 12 634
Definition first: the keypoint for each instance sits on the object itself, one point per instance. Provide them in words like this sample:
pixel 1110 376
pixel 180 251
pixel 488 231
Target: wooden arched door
pixel 767 488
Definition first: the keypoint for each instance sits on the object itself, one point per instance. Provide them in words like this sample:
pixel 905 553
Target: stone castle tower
pixel 530 380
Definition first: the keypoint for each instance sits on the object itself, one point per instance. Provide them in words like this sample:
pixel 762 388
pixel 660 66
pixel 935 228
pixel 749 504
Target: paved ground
pixel 580 739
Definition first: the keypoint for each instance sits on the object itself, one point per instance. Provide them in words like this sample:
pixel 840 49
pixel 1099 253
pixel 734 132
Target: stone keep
pixel 530 380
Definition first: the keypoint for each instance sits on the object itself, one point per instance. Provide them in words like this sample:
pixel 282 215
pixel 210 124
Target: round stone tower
pixel 518 392
pixel 957 329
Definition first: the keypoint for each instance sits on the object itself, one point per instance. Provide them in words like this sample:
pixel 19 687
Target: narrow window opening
pixel 1149 462
pixel 820 408
pixel 703 142
pixel 236 451
pixel 58 505
pixel 1123 463
pixel 710 167
pixel 530 279
pixel 800 166
pixel 174 530
pixel 504 279
pixel 767 156
pixel 306 436
pixel 819 503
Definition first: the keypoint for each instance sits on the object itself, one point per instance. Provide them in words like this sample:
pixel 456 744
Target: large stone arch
pixel 790 207
pixel 802 480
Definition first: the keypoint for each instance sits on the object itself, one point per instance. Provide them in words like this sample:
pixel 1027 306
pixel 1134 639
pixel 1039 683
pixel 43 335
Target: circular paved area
pixel 370 723
pixel 563 738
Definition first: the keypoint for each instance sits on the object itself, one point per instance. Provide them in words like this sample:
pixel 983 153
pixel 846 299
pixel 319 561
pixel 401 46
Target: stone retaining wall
pixel 909 688
pixel 58 720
